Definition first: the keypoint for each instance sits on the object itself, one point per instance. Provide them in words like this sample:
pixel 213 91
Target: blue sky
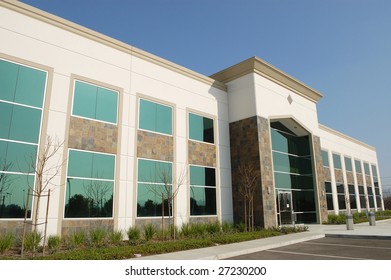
pixel 341 48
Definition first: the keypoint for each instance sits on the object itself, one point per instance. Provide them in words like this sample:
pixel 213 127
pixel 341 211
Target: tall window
pixel 154 188
pixel 366 169
pixel 292 164
pixel 358 166
pixel 202 190
pixel 341 196
pixel 337 161
pixel 352 197
pixel 90 185
pixel 329 196
pixel 22 91
pixel 155 117
pixel 376 185
pixel 95 102
pixel 361 192
pixel 370 197
pixel 348 164
pixel 325 158
pixel 201 128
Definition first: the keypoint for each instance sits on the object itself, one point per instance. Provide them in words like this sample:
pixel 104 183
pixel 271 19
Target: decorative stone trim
pixel 92 135
pixel 326 174
pixel 360 179
pixel 321 176
pixel 350 177
pixel 70 226
pixel 201 153
pixel 15 227
pixel 338 175
pixel 155 146
pixel 267 182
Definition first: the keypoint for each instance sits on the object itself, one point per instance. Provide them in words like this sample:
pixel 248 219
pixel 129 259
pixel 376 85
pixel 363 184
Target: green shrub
pixel 241 227
pixel 198 230
pixel 77 239
pixel 133 235
pixel 6 242
pixel 336 219
pixel 116 237
pixel 98 236
pixel 149 231
pixel 227 227
pixel 185 230
pixel 213 228
pixel 54 243
pixel 32 240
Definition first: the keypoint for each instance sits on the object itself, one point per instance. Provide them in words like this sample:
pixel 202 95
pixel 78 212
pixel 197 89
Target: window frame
pixel 340 161
pixel 98 85
pixel 46 71
pixel 203 187
pixel 151 100
pixel 325 153
pixel 212 118
pixel 113 181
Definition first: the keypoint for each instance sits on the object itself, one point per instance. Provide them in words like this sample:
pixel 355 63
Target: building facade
pixel 130 137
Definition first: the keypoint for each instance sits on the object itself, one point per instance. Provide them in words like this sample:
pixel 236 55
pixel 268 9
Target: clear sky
pixel 341 48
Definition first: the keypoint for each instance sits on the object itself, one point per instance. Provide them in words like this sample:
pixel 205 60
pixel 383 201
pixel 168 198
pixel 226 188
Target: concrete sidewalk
pixel 364 230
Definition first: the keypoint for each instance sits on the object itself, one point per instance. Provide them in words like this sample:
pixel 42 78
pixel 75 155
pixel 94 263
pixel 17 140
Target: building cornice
pixel 64 24
pixel 346 137
pixel 262 68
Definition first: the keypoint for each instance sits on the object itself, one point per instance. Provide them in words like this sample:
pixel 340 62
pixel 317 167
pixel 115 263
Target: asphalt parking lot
pixel 327 248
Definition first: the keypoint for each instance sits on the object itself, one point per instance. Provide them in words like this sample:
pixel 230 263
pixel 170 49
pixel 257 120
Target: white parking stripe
pixel 345 245
pixel 315 255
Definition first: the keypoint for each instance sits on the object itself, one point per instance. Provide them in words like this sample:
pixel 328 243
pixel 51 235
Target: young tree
pixel 249 176
pixel 45 172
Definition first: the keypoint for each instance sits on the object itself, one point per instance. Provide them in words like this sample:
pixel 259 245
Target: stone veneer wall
pixel 70 226
pixel 155 146
pixel 368 180
pixel 201 153
pixel 267 183
pixel 321 177
pixel 350 177
pixel 92 135
pixel 95 136
pixel 338 175
pixel 251 144
pixel 326 174
pixel 15 227
pixel 244 150
pixel 360 179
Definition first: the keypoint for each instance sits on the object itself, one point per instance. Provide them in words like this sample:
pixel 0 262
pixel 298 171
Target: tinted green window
pixel 325 158
pixel 304 201
pixel 90 165
pixel 95 102
pixel 8 78
pixel 348 164
pixel 22 84
pixel 358 166
pixel 154 171
pixel 202 176
pixel 288 181
pixel 149 200
pixel 90 185
pixel 337 161
pixel 374 171
pixel 19 123
pixel 291 164
pixel 202 191
pixel 201 128
pixel 17 157
pixel 287 143
pixel 155 117
pixel 154 182
pixel 89 198
pixel 202 201
pixel 366 168
pixel 13 195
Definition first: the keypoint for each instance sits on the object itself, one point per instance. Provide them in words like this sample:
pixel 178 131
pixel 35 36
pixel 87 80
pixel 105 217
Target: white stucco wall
pixel 69 54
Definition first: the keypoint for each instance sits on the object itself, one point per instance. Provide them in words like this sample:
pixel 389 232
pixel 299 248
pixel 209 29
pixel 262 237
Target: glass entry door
pixel 284 207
